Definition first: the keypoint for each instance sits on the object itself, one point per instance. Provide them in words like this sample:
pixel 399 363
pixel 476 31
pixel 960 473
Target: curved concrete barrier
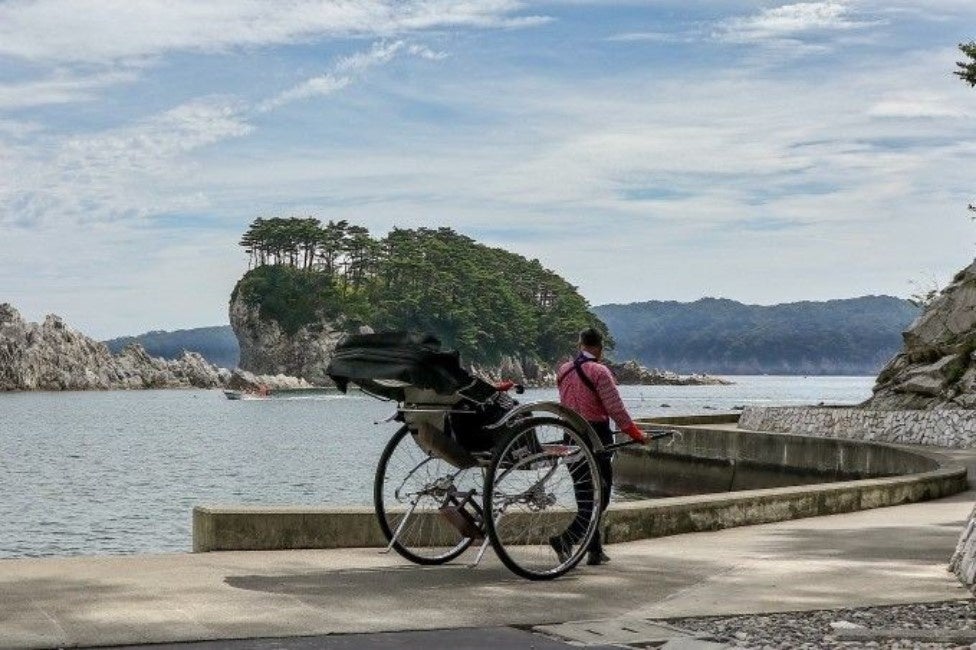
pixel 897 476
pixel 707 459
pixel 673 515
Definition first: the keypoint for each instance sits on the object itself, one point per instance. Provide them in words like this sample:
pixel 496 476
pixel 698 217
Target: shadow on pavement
pixel 489 594
pixel 928 545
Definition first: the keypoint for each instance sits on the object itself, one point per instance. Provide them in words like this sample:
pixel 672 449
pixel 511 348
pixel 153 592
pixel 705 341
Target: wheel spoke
pixel 546 481
pixel 409 490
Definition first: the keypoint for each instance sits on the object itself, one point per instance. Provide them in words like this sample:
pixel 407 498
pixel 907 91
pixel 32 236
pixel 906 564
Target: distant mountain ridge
pixel 853 336
pixel 216 344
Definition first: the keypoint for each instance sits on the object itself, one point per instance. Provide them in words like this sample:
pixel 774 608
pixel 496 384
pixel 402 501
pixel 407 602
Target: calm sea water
pixel 119 472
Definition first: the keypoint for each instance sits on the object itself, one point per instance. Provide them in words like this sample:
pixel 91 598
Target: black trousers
pixel 583 489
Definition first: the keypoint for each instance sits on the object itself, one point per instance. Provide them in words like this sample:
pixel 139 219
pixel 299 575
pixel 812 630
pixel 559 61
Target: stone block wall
pixel 945 428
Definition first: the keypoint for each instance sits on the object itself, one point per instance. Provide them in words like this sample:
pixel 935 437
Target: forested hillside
pixel 485 302
pixel 851 336
pixel 218 345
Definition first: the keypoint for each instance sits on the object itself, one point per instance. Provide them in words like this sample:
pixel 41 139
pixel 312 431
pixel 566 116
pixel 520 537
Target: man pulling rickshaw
pixel 471 465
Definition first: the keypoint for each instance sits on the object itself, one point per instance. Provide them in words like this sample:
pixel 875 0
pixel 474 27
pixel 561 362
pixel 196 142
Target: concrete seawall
pixel 704 459
pixel 896 476
pixel 266 528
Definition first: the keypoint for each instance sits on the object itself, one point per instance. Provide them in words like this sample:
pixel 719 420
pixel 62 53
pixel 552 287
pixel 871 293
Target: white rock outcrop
pixel 529 372
pixel 52 356
pixel 266 349
pixel 631 372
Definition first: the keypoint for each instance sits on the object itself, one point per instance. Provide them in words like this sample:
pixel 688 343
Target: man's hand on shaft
pixel 635 433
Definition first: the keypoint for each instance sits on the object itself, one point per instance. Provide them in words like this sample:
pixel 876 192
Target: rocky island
pixel 52 356
pixel 312 283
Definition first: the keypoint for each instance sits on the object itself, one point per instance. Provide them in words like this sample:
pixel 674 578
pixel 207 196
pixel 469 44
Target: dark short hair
pixel 591 338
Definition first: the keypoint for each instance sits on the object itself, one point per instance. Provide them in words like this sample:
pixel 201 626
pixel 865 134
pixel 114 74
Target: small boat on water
pixel 261 392
pixel 267 393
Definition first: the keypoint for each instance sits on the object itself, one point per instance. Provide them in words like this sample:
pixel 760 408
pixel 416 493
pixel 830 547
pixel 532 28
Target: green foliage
pixel 291 296
pixel 485 302
pixel 967 69
pixel 967 72
pixel 853 336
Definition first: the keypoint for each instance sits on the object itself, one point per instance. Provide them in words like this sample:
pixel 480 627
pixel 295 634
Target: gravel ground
pixel 816 629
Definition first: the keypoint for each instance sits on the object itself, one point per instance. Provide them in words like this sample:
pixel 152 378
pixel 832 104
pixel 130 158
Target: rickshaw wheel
pixel 411 484
pixel 542 498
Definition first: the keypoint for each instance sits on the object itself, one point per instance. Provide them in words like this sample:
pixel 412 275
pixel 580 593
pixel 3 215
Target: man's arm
pixel 610 396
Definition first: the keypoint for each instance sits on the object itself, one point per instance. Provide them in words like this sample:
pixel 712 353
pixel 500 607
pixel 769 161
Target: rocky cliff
pixel 52 356
pixel 266 349
pixel 936 368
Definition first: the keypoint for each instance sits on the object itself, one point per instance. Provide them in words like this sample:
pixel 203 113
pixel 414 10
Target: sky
pixel 658 150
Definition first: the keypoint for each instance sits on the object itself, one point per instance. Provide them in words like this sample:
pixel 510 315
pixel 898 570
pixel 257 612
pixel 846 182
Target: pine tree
pixel 967 69
pixel 967 73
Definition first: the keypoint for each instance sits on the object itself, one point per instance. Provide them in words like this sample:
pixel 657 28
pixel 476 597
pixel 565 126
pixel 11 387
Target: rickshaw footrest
pixel 462 521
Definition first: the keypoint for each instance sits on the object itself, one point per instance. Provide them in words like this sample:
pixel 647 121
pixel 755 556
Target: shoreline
pixel 278 451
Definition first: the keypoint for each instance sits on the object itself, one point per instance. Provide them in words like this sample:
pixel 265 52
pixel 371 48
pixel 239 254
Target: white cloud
pixel 361 61
pixel 927 10
pixel 653 37
pixel 425 52
pixel 147 168
pixel 644 177
pixel 728 141
pixel 346 70
pixel 61 88
pixel 315 87
pixel 919 106
pixel 790 21
pixel 106 31
pixel 123 172
pixel 850 195
pixel 18 129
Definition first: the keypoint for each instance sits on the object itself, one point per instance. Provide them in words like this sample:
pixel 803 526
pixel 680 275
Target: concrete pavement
pixel 873 557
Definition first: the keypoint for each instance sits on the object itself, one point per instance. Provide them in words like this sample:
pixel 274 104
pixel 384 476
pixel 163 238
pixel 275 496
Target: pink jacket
pixel 577 396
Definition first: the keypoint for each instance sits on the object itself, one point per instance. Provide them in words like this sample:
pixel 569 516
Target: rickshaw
pixel 470 465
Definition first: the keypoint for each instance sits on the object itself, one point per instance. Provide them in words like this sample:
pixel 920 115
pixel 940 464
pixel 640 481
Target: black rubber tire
pixel 490 477
pixel 402 436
